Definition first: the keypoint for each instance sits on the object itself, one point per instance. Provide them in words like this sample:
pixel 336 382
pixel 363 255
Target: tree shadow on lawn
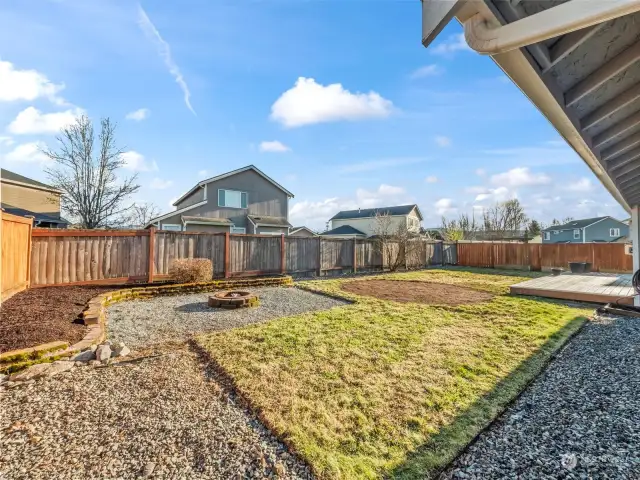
pixel 433 457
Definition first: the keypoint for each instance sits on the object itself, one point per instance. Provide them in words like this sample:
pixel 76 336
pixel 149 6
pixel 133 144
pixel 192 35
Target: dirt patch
pixel 41 315
pixel 418 292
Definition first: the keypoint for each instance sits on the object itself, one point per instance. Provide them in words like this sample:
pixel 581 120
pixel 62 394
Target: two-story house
pixel 362 223
pixel 598 229
pixel 26 197
pixel 242 201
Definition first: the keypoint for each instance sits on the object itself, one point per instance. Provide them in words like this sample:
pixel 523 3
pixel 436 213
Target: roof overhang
pixel 579 64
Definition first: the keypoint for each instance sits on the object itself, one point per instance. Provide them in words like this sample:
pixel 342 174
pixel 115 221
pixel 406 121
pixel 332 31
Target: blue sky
pixel 337 101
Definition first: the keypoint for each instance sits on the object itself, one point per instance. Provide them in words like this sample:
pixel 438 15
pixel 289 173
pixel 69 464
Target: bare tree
pixel 462 228
pixel 91 191
pixel 505 217
pixel 142 213
pixel 393 240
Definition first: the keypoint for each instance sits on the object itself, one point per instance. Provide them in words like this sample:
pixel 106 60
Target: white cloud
pixel 442 141
pixel 582 185
pixel 274 147
pixel 493 195
pixel 203 173
pixel 520 177
pixel 26 85
pixel 476 190
pixel 454 43
pixel 33 121
pixel 138 115
pixel 135 161
pixel 164 50
pixel 371 165
pixel 431 179
pixel 159 184
pixel 426 71
pixel 26 153
pixel 445 206
pixel 481 172
pixel 309 102
pixel 6 141
pixel 385 189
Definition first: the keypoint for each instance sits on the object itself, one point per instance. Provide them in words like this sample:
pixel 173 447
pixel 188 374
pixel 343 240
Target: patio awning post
pixel 635 238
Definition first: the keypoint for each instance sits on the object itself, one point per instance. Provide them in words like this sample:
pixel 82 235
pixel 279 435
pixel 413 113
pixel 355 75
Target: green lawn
pixel 384 389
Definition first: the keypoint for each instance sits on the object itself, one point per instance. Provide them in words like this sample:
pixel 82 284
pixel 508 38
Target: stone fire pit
pixel 233 299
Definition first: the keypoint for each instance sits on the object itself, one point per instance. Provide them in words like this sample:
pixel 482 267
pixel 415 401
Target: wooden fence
pixel 63 257
pixel 14 259
pixel 604 257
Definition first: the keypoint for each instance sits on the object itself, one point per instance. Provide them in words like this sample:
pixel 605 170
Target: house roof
pixel 297 229
pixel 575 224
pixel 37 217
pixel 228 174
pixel 12 177
pixel 212 221
pixel 344 230
pixel 269 221
pixel 371 212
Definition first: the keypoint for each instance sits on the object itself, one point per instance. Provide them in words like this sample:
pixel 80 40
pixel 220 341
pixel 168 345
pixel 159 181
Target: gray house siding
pixel 599 232
pixel 263 198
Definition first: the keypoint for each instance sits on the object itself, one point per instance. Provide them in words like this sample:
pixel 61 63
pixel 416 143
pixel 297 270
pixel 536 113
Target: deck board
pixel 589 287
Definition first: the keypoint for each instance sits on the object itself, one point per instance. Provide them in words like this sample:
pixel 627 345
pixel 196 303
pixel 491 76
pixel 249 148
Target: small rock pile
pixel 95 356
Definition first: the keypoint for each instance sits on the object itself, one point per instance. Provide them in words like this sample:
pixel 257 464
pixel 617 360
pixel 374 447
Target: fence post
pixel 282 254
pixel 227 253
pixel 319 259
pixel 355 254
pixel 152 252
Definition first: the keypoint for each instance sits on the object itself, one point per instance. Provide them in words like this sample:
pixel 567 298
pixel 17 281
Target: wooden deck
pixel 588 287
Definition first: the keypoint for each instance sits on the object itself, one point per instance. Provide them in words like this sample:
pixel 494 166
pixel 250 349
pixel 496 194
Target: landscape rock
pixel 148 469
pixel 35 371
pixel 120 350
pixel 93 347
pixel 57 367
pixel 3 378
pixel 85 356
pixel 103 353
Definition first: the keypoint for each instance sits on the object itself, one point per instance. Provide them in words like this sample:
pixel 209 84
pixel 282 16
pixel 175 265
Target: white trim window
pixel 576 233
pixel 614 232
pixel 232 198
pixel 171 227
pixel 238 230
pixel 547 236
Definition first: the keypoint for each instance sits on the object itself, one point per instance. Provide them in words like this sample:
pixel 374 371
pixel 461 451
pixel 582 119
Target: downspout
pixel 550 23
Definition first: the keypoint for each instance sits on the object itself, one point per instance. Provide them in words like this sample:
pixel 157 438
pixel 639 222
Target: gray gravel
pixel 158 416
pixel 161 319
pixel 579 420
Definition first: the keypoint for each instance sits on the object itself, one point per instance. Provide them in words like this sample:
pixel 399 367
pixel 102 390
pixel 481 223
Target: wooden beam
pixel 625 180
pixel 621 147
pixel 623 160
pixel 617 130
pixel 617 64
pixel 46 232
pixel 355 254
pixel 227 254
pixel 283 265
pixel 612 106
pixel 319 257
pixel 569 42
pixel 626 169
pixel 152 252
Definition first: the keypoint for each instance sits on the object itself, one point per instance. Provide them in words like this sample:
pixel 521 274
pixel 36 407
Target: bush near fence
pixel 63 257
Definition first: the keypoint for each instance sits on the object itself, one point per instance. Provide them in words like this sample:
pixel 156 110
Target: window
pixel 173 227
pixel 614 232
pixel 232 199
pixel 576 233
pixel 238 230
pixel 547 236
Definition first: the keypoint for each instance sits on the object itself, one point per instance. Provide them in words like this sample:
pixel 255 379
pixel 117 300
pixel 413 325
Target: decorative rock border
pixel 95 317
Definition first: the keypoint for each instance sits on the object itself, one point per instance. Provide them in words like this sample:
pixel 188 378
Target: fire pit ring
pixel 233 299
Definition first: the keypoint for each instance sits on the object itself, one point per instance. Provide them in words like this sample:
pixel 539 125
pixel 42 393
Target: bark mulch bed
pixel 417 292
pixel 41 315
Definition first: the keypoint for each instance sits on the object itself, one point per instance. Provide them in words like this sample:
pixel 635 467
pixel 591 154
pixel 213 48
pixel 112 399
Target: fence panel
pixel 62 257
pixel 475 254
pixel 301 254
pixel 169 246
pixel 336 254
pixel 610 257
pixel 254 255
pixel 449 254
pixel 368 255
pixel 15 257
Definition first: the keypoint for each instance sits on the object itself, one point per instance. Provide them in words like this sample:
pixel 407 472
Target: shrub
pixel 188 270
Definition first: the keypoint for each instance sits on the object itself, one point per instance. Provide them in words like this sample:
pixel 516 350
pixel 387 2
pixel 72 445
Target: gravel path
pixel 161 319
pixel 580 419
pixel 158 417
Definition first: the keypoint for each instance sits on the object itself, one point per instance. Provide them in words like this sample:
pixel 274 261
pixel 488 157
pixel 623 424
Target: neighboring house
pixel 26 197
pixel 242 201
pixel 302 232
pixel 362 222
pixel 598 229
